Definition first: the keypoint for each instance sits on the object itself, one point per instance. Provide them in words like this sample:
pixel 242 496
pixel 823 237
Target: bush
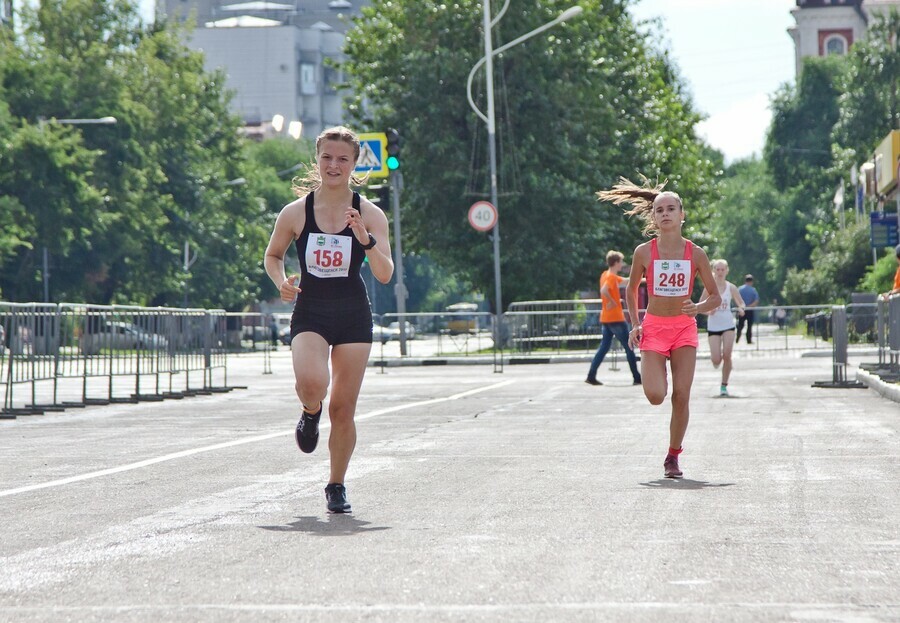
pixel 880 277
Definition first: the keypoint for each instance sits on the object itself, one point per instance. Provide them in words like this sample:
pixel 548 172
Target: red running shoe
pixel 671 467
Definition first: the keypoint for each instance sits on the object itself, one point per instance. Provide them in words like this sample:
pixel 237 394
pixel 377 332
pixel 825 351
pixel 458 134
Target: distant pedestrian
pixel 273 330
pixel 720 323
pixel 612 319
pixel 896 288
pixel 334 230
pixel 669 329
pixel 779 314
pixel 751 300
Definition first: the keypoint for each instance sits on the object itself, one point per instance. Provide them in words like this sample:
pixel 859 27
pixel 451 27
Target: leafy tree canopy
pixel 577 106
pixel 115 204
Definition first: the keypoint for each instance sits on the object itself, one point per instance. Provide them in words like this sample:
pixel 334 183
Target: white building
pixel 277 56
pixel 827 27
pixel 6 12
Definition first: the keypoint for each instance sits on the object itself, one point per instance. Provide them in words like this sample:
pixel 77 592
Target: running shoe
pixel 336 498
pixel 592 382
pixel 307 433
pixel 671 467
pixel 723 391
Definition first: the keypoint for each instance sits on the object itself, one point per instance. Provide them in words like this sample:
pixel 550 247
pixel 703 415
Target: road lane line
pixel 237 442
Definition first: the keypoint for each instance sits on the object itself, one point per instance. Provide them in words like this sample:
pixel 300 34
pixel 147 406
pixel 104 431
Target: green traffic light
pixel 393 163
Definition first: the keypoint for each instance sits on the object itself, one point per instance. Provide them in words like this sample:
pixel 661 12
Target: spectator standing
pixel 751 299
pixel 273 330
pixel 779 314
pixel 612 319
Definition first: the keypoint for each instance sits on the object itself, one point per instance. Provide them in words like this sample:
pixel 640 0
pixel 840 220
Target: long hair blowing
pixel 640 198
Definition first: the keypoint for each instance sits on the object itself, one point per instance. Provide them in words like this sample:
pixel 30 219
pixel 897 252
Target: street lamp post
pixel 489 118
pixel 42 122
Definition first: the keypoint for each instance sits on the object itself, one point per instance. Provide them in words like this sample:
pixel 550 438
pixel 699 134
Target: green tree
pixel 740 228
pixel 870 104
pixel 117 203
pixel 880 277
pixel 798 156
pixel 838 264
pixel 576 107
pixel 842 108
pixel 269 167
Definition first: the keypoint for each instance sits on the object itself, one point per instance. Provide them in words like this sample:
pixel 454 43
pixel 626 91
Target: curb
pixel 891 391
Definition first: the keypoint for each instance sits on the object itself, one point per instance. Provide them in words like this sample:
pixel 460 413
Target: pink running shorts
pixel 663 334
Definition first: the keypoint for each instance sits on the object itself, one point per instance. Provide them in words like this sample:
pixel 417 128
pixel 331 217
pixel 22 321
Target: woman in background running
pixel 720 323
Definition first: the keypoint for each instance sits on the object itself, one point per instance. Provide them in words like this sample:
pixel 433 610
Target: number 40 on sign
pixel 483 216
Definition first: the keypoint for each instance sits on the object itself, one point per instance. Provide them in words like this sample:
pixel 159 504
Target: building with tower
pixel 6 13
pixel 826 27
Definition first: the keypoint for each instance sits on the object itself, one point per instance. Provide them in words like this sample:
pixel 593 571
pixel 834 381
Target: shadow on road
pixel 335 525
pixel 683 483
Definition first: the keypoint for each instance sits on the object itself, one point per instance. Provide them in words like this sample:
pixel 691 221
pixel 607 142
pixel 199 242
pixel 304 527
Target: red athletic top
pixel 672 276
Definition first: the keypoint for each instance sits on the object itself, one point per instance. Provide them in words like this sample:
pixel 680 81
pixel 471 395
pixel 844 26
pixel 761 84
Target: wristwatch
pixel 371 244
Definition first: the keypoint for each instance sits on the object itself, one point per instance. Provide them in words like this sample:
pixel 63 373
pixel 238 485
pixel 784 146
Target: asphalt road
pixel 523 496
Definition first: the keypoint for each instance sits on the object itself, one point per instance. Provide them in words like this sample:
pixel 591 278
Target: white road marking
pixel 236 442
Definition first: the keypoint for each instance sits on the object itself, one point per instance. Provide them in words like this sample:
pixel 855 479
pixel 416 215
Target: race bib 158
pixel 328 255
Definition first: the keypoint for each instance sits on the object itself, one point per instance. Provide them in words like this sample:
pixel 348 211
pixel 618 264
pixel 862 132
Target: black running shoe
pixel 591 381
pixel 307 433
pixel 336 497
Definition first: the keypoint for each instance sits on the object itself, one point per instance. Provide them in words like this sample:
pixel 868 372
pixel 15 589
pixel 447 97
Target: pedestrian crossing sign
pixel 372 155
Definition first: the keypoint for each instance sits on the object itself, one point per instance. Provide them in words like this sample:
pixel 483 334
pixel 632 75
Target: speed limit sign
pixel 483 215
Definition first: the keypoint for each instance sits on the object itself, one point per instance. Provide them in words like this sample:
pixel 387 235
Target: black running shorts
pixel 339 321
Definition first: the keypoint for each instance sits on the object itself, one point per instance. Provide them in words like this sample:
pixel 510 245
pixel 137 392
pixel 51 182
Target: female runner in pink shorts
pixel 669 329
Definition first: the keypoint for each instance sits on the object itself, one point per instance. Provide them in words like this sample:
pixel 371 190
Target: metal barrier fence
pixel 252 331
pixel 78 355
pixel 71 355
pixel 887 328
pixel 571 326
pixel 436 336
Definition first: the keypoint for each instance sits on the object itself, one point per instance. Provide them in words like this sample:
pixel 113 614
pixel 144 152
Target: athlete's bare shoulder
pixel 699 253
pixel 293 216
pixel 642 251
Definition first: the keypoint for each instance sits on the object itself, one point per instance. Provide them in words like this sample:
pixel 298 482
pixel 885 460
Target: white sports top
pixel 722 319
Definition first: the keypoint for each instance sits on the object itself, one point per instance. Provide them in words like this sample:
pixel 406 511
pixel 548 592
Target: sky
pixel 733 55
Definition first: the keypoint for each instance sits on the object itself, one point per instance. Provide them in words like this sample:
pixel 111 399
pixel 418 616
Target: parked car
pixel 409 329
pixel 384 334
pixel 114 335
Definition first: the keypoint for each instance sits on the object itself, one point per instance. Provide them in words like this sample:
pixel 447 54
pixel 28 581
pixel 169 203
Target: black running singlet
pixel 329 263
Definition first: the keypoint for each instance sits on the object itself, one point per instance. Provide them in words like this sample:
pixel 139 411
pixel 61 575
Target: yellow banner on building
pixel 887 157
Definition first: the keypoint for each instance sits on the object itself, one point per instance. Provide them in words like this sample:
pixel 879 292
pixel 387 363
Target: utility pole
pixel 400 287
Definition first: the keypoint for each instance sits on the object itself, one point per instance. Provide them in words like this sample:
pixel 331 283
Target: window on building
pixel 835 45
pixel 307 79
pixel 332 79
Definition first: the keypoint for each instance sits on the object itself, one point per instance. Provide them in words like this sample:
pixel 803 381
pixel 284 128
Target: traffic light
pixel 393 149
